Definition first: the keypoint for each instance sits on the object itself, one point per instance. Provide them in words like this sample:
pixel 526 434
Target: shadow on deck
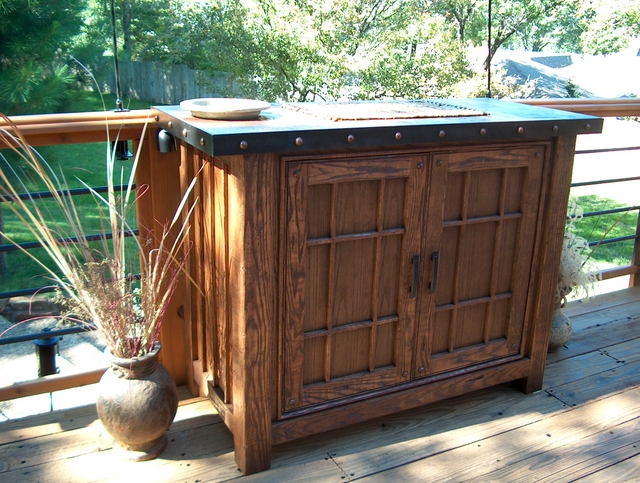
pixel 584 425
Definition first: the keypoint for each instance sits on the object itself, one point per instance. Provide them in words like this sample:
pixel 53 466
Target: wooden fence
pixel 169 84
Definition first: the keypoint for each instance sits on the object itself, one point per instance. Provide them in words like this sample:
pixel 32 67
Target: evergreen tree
pixel 35 41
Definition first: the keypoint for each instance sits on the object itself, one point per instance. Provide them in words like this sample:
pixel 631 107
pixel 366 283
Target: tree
pixel 468 15
pixel 302 50
pixel 609 25
pixel 529 24
pixel 511 17
pixel 425 63
pixel 36 38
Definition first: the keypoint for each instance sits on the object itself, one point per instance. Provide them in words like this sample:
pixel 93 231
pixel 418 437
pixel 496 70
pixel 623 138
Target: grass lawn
pixel 604 227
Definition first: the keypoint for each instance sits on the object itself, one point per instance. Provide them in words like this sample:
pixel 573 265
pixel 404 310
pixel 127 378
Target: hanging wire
pixel 121 147
pixel 489 51
pixel 119 106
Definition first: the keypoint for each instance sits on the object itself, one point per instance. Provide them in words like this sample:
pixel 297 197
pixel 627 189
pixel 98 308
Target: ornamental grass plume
pixel 578 271
pixel 96 276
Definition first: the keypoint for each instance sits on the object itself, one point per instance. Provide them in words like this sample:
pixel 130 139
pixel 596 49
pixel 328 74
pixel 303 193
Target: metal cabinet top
pixel 297 127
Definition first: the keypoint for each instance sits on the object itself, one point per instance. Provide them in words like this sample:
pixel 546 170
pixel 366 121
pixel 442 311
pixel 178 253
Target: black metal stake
pixel 47 351
pixel 121 147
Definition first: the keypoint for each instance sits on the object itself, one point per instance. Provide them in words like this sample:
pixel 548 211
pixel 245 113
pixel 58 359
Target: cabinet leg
pixel 251 456
pixel 528 384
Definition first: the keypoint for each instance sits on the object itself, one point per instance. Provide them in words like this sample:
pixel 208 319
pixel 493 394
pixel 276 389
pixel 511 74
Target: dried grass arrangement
pixel 578 272
pixel 96 278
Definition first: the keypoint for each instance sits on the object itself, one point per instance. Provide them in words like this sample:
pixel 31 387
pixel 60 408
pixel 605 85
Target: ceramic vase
pixel 561 330
pixel 137 401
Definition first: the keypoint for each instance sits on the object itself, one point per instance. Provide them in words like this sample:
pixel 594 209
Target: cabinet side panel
pixel 253 253
pixel 547 260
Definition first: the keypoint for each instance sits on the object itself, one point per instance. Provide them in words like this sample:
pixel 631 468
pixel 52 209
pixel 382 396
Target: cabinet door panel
pixel 482 217
pixel 352 231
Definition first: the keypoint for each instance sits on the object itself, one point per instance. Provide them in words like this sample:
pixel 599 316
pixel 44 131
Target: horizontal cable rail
pixel 46 335
pixel 63 241
pixel 607 150
pixel 608 241
pixel 70 192
pixel 605 181
pixel 611 211
pixel 28 291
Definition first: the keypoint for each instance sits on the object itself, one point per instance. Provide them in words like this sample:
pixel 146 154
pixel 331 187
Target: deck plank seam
pixel 331 456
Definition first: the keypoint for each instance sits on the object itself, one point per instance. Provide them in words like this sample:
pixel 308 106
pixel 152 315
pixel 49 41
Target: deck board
pixel 526 451
pixel 583 426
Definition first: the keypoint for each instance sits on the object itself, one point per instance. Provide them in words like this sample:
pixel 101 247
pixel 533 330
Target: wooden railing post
pixel 159 174
pixel 634 279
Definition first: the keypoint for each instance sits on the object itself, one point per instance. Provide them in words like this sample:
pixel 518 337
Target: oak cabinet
pixel 402 266
pixel 354 269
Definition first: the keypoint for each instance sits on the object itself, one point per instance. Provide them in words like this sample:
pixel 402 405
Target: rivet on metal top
pixel 202 143
pixel 441 134
pixel 483 132
pixel 299 141
pixel 184 132
pixel 350 138
pixel 520 130
pixel 156 118
pixel 398 136
pixel 587 127
pixel 244 144
pixel 169 124
pixel 556 128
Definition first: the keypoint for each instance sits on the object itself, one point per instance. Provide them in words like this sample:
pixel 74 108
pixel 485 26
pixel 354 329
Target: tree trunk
pixel 126 28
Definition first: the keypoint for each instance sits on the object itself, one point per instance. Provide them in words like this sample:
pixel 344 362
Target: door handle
pixel 435 259
pixel 415 276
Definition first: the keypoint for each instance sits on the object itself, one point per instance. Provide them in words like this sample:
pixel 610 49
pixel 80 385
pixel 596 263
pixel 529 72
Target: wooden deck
pixel 584 425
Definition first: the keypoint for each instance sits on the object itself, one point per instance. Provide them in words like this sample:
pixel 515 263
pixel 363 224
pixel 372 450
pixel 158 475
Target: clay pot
pixel 561 330
pixel 137 401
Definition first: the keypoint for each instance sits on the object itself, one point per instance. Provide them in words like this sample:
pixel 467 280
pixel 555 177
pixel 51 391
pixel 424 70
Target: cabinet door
pixel 483 209
pixel 351 251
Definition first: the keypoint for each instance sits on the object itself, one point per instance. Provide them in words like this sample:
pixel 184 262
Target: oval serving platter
pixel 225 108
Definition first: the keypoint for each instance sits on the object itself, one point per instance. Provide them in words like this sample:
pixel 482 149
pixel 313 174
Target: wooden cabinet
pixel 351 270
pixel 403 266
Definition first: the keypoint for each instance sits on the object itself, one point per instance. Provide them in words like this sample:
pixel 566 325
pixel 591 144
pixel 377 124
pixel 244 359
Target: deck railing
pixel 80 128
pixel 59 129
pixel 607 108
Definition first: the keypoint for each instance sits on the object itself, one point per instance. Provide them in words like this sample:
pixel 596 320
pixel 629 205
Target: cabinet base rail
pixel 400 398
